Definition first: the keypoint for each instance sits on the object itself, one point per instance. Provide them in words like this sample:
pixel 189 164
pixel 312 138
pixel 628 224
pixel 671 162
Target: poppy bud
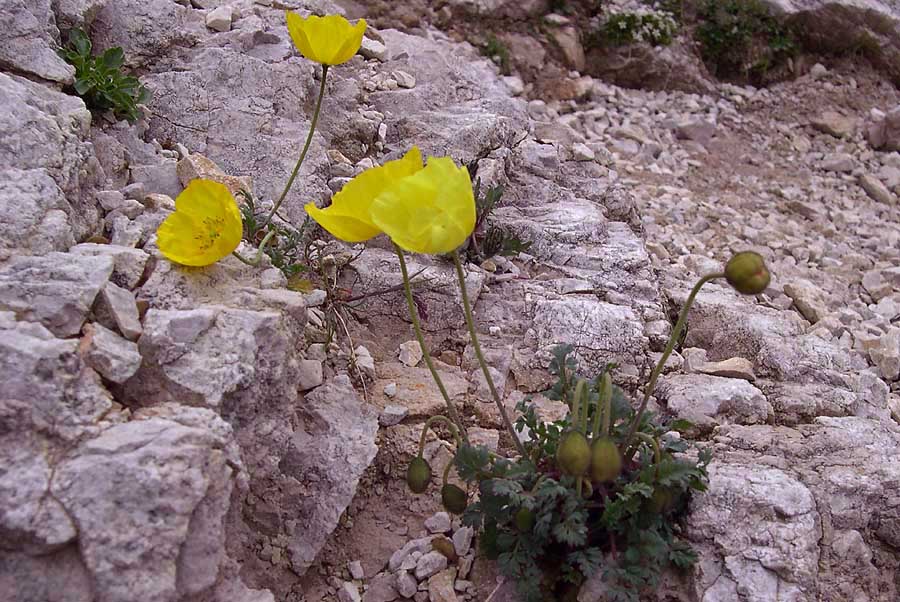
pixel 662 501
pixel 524 520
pixel 573 456
pixel 606 462
pixel 418 475
pixel 747 273
pixel 453 498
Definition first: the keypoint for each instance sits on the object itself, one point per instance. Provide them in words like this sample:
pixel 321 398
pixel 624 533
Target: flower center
pixel 211 230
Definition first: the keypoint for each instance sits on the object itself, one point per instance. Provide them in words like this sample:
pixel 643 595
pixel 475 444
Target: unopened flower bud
pixel 418 475
pixel 747 273
pixel 453 498
pixel 573 456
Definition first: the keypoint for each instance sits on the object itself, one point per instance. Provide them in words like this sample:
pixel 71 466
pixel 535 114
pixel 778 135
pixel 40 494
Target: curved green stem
pixel 262 245
pixel 470 323
pixel 414 316
pixel 446 472
pixel 427 426
pixel 604 407
pixel 309 137
pixel 654 445
pixel 676 333
pixel 575 408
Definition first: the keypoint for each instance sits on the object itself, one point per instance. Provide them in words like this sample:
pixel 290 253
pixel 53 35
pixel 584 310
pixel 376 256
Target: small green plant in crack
pixel 497 51
pixel 487 239
pixel 100 81
pixel 655 28
pixel 742 38
pixel 286 247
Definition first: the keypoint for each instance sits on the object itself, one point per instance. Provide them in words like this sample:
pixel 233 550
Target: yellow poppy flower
pixel 348 216
pixel 330 40
pixel 431 211
pixel 205 227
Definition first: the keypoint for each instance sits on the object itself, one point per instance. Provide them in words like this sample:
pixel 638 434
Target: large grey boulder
pixel 145 29
pixel 841 25
pixel 334 442
pixel 68 398
pixel 241 358
pixel 763 525
pixel 42 131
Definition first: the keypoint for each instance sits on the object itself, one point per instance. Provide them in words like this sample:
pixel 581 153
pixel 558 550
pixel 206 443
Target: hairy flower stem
pixel 309 137
pixel 432 420
pixel 648 390
pixel 414 316
pixel 604 407
pixel 470 322
pixel 262 245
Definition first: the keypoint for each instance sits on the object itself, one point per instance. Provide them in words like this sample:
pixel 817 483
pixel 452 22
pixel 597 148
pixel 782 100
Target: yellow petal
pixel 348 216
pixel 330 40
pixel 432 211
pixel 205 227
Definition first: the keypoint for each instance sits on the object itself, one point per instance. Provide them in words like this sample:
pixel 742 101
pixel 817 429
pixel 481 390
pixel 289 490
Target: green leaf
pixel 472 461
pixel 82 86
pixel 114 58
pixel 80 42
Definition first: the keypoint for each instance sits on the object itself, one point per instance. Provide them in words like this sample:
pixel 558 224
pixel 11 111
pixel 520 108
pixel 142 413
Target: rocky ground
pixel 213 434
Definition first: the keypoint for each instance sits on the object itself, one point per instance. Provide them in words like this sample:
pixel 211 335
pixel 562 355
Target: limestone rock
pixel 56 290
pixel 834 124
pixel 373 49
pixel 381 589
pixel 440 587
pixel 39 222
pixel 736 367
pixel 884 134
pixel 430 564
pixel 311 374
pixel 30 522
pixel 406 584
pixel 44 131
pixel 161 178
pixel 70 399
pixel 807 298
pixel 30 40
pixel 410 353
pixel 117 309
pixel 163 25
pixel 135 540
pixel 839 162
pixel 113 357
pixel 438 523
pixel 219 19
pixel 128 263
pixel 196 165
pixel 392 415
pixel 567 39
pixel 339 431
pixel 763 525
pixel 706 400
pixel 876 190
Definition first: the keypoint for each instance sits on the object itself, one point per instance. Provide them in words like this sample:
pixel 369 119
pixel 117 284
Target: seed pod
pixel 418 475
pixel 453 498
pixel 662 501
pixel 573 456
pixel 747 273
pixel 606 462
pixel 524 520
